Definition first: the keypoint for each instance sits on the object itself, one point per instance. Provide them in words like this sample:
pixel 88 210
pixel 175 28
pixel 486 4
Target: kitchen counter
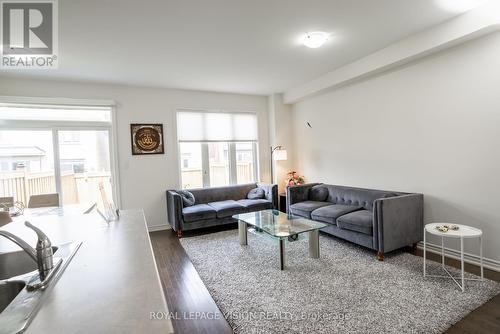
pixel 112 283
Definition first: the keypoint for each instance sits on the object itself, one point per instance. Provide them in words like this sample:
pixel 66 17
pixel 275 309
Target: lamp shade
pixel 280 154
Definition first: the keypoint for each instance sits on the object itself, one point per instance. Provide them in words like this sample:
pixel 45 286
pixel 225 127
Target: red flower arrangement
pixel 294 179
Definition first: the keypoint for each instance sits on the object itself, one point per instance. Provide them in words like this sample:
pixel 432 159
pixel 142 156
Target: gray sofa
pixel 377 219
pixel 217 205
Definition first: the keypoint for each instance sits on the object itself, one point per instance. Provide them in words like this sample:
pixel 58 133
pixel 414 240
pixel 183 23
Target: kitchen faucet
pixel 42 255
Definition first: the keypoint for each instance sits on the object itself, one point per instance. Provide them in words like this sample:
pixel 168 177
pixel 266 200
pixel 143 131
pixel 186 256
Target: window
pixel 245 162
pixel 218 160
pixel 192 171
pixel 69 137
pixel 217 149
pixel 56 149
pixel 29 158
pixel 33 112
pixel 85 165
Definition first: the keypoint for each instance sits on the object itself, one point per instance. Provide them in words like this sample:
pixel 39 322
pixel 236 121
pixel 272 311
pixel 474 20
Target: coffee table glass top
pixel 279 224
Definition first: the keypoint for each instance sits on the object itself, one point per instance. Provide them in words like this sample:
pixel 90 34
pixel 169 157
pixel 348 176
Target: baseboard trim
pixel 161 227
pixel 468 258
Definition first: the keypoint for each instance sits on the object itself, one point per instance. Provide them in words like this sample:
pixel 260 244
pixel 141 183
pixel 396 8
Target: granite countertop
pixel 112 283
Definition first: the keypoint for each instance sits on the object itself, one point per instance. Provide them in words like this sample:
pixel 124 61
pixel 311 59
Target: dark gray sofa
pixel 377 219
pixel 217 205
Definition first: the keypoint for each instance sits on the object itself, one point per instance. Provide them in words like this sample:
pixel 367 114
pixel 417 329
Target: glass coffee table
pixel 280 226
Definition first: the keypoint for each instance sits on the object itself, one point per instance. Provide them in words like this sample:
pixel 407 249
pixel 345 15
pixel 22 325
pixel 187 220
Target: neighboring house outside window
pixel 56 149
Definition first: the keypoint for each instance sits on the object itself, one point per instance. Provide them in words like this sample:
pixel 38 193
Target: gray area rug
pixel 345 291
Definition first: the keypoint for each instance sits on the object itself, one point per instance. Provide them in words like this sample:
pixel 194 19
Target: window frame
pixel 232 158
pixel 204 149
pixel 56 126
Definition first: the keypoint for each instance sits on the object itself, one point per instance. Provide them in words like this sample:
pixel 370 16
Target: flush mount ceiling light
pixel 315 39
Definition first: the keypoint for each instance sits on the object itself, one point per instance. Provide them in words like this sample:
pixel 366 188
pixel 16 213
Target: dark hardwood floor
pixel 486 318
pixel 187 297
pixel 194 310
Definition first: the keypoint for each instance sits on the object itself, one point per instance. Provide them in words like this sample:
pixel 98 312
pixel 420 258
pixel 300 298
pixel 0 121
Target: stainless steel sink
pixel 17 263
pixel 9 291
pixel 22 291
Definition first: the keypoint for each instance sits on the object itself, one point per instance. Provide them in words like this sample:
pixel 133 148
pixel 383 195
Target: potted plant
pixel 293 179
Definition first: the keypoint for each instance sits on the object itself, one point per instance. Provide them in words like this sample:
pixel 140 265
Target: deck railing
pixel 76 187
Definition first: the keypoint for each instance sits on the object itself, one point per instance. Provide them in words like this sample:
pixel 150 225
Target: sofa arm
pixel 399 221
pixel 271 191
pixel 174 210
pixel 295 194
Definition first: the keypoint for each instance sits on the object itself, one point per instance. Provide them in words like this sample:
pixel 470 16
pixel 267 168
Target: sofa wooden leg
pixel 414 248
pixel 380 256
pixel 179 234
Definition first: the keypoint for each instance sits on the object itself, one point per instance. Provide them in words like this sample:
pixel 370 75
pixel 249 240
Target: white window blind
pixel 195 126
pixel 43 112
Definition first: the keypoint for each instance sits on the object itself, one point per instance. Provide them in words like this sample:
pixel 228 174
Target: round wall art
pixel 147 139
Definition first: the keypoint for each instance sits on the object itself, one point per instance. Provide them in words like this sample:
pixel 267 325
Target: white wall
pixel 280 134
pixel 144 179
pixel 432 126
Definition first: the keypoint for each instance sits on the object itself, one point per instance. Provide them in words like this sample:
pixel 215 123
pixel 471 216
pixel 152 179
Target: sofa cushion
pixel 358 221
pixel 256 204
pixel 355 196
pixel 198 212
pixel 330 213
pixel 187 197
pixel 256 193
pixel 305 208
pixel 227 208
pixel 318 193
pixel 216 194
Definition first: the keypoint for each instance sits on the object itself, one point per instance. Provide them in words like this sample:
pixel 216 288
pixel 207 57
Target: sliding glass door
pixel 26 164
pixel 57 149
pixel 85 167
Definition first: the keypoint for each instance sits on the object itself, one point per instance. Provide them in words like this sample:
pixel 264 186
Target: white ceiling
pixel 241 46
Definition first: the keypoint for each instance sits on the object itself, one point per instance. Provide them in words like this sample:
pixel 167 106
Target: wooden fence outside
pixel 76 187
pixel 193 177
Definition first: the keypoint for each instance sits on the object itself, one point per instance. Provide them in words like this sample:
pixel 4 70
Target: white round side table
pixel 463 232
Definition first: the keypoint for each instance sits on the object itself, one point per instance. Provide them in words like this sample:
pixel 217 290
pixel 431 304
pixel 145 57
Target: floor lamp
pixel 278 153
